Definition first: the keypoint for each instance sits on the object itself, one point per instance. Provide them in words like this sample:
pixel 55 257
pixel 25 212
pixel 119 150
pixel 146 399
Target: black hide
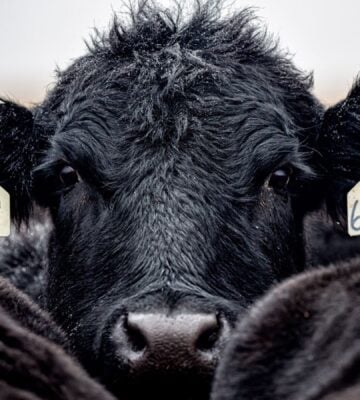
pixel 31 366
pixel 300 342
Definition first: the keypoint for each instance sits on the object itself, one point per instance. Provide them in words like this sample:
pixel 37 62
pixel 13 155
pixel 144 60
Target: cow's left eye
pixel 280 178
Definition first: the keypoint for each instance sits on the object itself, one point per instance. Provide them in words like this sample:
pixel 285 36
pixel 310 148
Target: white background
pixel 37 35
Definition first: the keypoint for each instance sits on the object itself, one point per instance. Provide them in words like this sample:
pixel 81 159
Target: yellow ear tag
pixel 353 210
pixel 4 212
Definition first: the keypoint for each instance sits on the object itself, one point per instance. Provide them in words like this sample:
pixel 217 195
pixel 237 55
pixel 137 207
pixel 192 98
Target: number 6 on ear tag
pixel 4 212
pixel 353 210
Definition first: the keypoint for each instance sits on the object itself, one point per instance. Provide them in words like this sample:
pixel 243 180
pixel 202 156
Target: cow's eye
pixel 280 178
pixel 68 176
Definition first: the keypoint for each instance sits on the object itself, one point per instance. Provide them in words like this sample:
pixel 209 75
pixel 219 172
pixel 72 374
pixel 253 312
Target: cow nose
pixel 157 342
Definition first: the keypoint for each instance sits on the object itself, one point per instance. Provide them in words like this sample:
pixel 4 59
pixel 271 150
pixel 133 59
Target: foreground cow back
pixel 300 342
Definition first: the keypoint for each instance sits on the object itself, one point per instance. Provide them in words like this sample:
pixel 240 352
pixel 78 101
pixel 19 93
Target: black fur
pixel 24 258
pixel 20 307
pixel 300 342
pixel 175 127
pixel 31 366
pixel 327 242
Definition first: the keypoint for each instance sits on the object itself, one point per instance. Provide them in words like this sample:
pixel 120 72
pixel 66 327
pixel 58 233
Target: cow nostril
pixel 135 337
pixel 208 337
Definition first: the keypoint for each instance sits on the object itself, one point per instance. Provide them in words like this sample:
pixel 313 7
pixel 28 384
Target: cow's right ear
pixel 19 152
pixel 339 147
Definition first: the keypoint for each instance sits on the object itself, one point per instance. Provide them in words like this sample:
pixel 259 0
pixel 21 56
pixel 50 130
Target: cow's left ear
pixel 19 151
pixel 339 147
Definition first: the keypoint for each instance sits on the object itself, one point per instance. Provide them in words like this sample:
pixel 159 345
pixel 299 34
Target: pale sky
pixel 37 35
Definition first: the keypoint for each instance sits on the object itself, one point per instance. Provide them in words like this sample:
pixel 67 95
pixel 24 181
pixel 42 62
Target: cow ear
pixel 19 150
pixel 339 147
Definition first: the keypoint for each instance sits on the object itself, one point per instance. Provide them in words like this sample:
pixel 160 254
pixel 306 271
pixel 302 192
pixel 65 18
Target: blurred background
pixel 38 35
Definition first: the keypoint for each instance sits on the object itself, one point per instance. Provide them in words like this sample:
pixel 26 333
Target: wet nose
pixel 158 342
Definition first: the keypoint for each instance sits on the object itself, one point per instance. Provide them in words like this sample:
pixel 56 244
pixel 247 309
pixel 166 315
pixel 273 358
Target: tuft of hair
pixel 200 34
pixel 158 56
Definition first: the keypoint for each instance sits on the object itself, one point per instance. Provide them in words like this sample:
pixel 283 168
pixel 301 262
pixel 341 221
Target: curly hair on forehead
pixel 202 34
pixel 162 65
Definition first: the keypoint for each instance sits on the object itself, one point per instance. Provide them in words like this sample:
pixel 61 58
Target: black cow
pixel 178 159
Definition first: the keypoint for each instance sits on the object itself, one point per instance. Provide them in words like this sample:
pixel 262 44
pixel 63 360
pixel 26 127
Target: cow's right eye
pixel 280 178
pixel 68 176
